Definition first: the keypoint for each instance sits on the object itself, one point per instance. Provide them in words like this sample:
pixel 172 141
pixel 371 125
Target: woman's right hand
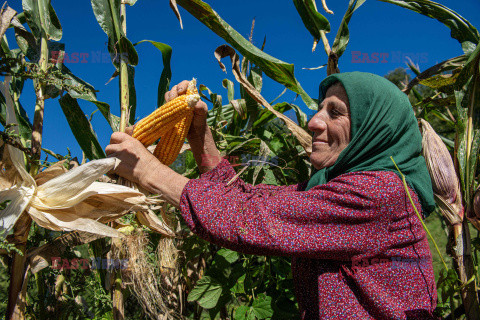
pixel 199 122
pixel 199 136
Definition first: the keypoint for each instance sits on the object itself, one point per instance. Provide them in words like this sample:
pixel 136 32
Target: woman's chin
pixel 319 161
pixel 316 163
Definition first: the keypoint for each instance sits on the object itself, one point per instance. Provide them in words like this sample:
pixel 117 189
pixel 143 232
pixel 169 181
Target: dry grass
pixel 152 282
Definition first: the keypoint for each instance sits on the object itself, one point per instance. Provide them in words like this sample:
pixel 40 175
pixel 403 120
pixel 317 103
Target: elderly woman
pixel 358 248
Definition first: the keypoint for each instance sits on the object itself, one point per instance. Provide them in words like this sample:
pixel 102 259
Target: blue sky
pixel 376 28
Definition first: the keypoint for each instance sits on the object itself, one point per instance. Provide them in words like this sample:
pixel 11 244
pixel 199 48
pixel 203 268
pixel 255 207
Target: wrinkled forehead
pixel 337 89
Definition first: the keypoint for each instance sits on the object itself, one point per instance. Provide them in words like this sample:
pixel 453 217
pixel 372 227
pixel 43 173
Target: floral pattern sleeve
pixel 343 218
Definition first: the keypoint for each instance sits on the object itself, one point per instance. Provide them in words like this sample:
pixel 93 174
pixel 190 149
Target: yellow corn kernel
pixel 171 143
pixel 159 122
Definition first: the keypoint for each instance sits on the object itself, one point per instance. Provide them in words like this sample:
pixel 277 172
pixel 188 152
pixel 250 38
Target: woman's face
pixel 330 127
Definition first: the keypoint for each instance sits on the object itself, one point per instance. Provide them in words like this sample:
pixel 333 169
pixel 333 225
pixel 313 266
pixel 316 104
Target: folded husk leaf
pixel 445 182
pixel 150 220
pixel 68 200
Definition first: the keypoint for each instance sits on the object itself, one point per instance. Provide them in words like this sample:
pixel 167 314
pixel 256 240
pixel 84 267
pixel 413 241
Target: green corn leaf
pixel 217 113
pixel 126 48
pixel 107 13
pixel 301 116
pixel 312 19
pixel 276 69
pixel 27 44
pixel 266 116
pixel 79 89
pixel 255 78
pixel 343 34
pixel 166 75
pixel 461 29
pixel 41 17
pixel 471 67
pixel 262 155
pixel 24 125
pixel 239 144
pixel 54 29
pixel 227 84
pixel 81 128
pixel 439 80
pixel 447 65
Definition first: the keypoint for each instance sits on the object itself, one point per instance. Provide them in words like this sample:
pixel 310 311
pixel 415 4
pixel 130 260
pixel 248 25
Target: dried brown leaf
pixel 173 5
pixel 7 16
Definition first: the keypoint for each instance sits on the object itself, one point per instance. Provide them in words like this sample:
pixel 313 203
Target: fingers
pixel 118 137
pixel 112 149
pixel 200 108
pixel 129 130
pixel 177 90
pixel 172 94
pixel 182 87
pixel 120 141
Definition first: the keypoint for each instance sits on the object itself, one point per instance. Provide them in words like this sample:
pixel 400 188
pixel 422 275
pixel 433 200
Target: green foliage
pixel 312 19
pixel 343 34
pixel 166 75
pixel 81 128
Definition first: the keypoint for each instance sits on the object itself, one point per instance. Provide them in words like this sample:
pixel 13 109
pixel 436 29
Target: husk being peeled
pixel 60 199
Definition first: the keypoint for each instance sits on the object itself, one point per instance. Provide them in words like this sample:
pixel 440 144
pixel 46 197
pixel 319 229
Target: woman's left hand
pixel 136 162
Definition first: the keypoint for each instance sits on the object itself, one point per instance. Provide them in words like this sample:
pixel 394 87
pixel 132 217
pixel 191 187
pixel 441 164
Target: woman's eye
pixel 335 112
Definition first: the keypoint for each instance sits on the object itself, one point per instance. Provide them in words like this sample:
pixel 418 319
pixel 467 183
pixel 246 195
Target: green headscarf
pixel 382 125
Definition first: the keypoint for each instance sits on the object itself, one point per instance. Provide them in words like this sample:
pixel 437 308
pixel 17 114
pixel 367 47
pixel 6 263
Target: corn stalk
pixel 117 293
pixel 17 289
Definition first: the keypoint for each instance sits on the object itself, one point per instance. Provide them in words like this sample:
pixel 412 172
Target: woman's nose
pixel 317 123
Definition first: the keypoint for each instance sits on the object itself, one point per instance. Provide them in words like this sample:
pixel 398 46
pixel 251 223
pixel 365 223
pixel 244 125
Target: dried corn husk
pixel 63 200
pixel 446 186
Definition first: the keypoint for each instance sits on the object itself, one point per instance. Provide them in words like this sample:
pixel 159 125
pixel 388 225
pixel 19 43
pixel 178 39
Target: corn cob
pixel 446 186
pixel 159 122
pixel 171 143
